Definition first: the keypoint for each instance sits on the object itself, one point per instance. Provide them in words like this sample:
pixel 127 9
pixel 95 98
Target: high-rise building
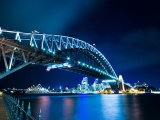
pixel 95 85
pixel 85 83
pixel 79 87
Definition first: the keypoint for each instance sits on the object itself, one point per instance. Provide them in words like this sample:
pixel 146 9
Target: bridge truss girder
pixel 15 56
pixel 51 46
pixel 82 55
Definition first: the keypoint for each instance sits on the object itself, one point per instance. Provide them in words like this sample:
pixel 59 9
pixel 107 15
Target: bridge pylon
pixel 122 82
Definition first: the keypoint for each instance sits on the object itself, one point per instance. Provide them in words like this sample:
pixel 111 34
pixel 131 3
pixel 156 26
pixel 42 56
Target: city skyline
pixel 126 32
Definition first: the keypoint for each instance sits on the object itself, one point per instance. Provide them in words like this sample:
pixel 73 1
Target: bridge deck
pixel 3 112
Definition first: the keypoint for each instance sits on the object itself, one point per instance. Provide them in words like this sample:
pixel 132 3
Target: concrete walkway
pixel 3 112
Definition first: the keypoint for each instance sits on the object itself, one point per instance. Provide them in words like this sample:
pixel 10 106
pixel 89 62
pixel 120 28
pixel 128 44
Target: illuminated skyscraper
pixel 79 87
pixel 95 85
pixel 85 83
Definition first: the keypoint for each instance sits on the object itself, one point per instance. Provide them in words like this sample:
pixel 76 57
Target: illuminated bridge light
pixel 65 64
pixel 32 45
pixel 83 64
pixel 79 62
pixel 69 66
pixel 59 65
pixel 91 67
pixel 108 81
pixel 43 49
pixel 68 58
pixel 48 69
pixel 53 52
pixel 54 66
pixel 87 65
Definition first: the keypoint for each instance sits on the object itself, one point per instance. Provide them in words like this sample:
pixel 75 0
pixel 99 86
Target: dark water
pixel 96 107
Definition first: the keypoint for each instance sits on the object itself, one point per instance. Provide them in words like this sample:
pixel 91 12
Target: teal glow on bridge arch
pixel 52 51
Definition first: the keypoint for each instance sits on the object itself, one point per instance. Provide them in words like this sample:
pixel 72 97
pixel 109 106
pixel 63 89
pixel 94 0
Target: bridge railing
pixel 17 112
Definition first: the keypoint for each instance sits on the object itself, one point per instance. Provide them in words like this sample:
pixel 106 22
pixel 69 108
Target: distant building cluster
pixel 84 87
pixel 104 87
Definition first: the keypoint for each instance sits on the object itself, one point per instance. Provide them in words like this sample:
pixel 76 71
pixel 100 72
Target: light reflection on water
pixel 68 108
pixel 112 107
pixel 92 107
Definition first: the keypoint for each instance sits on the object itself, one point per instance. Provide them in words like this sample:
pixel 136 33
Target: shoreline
pixel 67 94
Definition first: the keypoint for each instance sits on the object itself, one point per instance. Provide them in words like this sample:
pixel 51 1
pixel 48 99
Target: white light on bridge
pixel 54 66
pixel 59 65
pixel 69 66
pixel 32 45
pixel 108 81
pixel 48 69
pixel 68 58
pixel 65 64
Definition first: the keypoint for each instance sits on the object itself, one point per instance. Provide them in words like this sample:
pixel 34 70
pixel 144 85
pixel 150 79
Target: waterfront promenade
pixel 3 112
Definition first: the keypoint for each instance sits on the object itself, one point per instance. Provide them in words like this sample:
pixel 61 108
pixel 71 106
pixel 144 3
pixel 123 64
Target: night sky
pixel 127 32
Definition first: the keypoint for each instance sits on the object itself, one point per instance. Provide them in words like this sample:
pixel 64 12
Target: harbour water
pixel 95 107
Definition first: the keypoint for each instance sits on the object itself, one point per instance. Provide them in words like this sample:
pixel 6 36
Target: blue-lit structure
pixel 20 49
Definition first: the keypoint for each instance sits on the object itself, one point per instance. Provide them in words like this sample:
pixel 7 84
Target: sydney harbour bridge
pixel 19 49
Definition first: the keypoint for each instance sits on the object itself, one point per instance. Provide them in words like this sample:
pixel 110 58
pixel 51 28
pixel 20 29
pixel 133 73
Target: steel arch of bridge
pixel 55 51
